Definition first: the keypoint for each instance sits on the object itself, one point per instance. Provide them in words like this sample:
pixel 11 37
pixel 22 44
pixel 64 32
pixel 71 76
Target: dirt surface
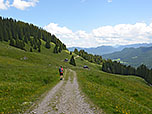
pixel 65 98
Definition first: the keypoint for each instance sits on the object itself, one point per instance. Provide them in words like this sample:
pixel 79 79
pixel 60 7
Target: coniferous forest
pixel 118 68
pixel 91 58
pixel 18 34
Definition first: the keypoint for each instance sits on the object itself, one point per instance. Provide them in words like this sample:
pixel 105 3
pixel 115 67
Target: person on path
pixel 61 72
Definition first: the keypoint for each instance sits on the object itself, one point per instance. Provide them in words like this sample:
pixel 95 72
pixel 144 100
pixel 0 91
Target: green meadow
pixel 115 94
pixel 26 76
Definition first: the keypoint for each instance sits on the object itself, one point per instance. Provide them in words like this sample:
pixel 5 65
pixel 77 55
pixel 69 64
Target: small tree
pixel 47 45
pixel 76 51
pixel 70 52
pixel 72 61
pixel 12 42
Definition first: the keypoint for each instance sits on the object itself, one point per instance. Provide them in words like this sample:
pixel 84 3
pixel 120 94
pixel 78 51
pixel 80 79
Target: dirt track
pixel 64 98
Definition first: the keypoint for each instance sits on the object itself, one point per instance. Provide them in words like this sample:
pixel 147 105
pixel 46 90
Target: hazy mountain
pixel 101 50
pixel 133 56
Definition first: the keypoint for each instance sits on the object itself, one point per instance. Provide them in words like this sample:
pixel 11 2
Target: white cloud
pixel 109 0
pixel 4 4
pixel 22 5
pixel 19 4
pixel 121 34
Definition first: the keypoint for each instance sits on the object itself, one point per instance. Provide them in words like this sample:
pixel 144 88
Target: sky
pixel 86 23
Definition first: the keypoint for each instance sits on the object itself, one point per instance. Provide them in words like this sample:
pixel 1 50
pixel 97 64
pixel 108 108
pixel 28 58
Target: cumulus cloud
pixel 4 4
pixel 121 34
pixel 21 4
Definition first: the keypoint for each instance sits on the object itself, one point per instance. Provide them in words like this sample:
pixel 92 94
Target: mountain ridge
pixel 133 56
pixel 101 50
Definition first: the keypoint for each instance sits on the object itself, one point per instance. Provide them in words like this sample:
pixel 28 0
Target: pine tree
pixel 70 52
pixel 60 49
pixel 31 50
pixel 76 51
pixel 34 46
pixel 47 45
pixel 12 42
pixel 55 49
pixel 72 61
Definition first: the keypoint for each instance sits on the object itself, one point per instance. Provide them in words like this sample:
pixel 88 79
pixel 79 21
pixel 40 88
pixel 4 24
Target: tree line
pixel 118 68
pixel 18 34
pixel 90 57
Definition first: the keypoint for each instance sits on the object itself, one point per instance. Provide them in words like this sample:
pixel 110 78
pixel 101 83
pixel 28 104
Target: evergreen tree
pixel 55 49
pixel 1 35
pixel 72 61
pixel 12 42
pixel 70 52
pixel 34 46
pixel 31 50
pixel 60 49
pixel 5 35
pixel 47 45
pixel 76 51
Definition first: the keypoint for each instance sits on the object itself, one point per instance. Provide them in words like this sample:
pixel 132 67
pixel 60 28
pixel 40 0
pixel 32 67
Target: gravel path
pixel 65 98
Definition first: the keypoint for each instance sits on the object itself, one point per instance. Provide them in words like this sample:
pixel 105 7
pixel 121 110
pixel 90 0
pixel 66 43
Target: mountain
pixel 101 50
pixel 133 56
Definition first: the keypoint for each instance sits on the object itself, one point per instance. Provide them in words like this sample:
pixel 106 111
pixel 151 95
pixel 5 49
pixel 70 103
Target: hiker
pixel 61 72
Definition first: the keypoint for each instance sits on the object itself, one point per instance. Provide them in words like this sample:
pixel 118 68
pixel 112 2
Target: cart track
pixel 65 98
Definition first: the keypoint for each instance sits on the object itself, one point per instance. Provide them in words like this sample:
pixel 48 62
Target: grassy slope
pixel 23 81
pixel 115 94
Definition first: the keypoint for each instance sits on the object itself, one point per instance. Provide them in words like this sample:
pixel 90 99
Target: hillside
pixel 133 56
pixel 26 36
pixel 101 50
pixel 26 76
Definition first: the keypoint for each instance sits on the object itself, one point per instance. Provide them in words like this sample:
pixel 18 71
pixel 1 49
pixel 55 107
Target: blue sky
pixel 86 23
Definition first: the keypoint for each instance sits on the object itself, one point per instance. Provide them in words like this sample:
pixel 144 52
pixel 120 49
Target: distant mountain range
pixel 133 56
pixel 101 50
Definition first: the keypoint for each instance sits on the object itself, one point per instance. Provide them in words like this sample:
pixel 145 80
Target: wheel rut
pixel 65 98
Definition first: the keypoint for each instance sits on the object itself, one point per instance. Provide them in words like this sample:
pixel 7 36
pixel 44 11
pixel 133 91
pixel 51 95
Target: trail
pixel 65 98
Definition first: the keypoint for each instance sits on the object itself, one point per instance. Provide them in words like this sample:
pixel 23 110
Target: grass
pixel 25 76
pixel 116 94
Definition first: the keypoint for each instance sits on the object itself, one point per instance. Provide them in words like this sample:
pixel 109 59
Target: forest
pixel 90 57
pixel 20 34
pixel 118 68
pixel 115 67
